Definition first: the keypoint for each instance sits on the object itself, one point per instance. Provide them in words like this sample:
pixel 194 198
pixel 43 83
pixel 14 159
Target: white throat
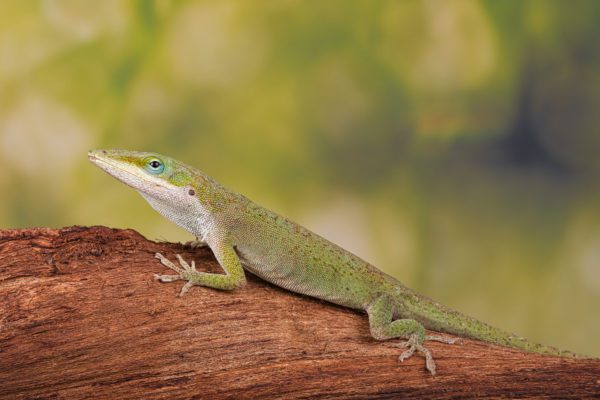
pixel 188 214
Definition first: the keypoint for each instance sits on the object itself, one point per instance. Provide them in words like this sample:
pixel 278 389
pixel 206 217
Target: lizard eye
pixel 155 166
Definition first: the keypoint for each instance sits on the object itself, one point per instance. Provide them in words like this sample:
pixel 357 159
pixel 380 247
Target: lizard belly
pixel 300 279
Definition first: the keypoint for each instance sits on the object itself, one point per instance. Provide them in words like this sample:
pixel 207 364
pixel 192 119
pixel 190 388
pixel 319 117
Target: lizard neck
pixel 193 217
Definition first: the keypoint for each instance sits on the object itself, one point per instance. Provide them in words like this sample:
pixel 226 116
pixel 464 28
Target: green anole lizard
pixel 242 234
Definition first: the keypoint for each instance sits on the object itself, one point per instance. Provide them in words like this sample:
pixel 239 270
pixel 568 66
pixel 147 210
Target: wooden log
pixel 82 317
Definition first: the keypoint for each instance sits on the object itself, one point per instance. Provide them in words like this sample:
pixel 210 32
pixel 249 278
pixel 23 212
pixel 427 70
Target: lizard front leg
pixel 233 278
pixel 381 311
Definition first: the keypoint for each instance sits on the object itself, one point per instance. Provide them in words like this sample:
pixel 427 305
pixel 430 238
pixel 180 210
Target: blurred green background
pixel 454 144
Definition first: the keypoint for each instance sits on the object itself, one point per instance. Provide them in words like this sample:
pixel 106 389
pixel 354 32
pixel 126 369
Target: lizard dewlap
pixel 244 235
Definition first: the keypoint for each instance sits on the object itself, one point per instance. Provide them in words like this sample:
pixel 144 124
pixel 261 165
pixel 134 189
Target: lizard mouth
pixel 102 162
pixel 108 166
pixel 127 174
pixel 92 156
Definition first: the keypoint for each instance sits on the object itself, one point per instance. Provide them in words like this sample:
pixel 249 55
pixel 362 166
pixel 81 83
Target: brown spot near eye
pixel 192 192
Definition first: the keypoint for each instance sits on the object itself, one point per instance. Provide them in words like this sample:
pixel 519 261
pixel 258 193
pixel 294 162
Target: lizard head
pixel 149 173
pixel 171 187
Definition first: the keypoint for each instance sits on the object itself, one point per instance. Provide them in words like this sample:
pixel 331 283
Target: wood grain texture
pixel 82 317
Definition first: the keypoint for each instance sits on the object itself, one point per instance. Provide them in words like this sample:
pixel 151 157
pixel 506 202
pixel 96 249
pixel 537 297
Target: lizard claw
pixel 185 288
pixel 167 263
pixel 407 354
pixel 167 278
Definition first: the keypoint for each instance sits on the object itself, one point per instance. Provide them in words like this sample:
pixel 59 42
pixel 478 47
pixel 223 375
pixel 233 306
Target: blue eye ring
pixel 155 166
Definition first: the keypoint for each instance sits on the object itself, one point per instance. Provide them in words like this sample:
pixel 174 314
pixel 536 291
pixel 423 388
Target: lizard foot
pixel 184 271
pixel 195 244
pixel 415 343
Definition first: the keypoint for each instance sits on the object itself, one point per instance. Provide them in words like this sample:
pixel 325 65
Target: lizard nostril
pixel 192 192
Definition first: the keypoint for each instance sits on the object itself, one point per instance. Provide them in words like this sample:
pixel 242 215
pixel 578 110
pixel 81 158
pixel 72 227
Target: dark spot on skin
pixel 192 192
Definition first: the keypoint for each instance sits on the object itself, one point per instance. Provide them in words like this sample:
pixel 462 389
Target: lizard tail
pixel 440 318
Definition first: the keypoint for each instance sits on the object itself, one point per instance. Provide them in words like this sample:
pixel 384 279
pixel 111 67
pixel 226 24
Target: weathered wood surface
pixel 82 317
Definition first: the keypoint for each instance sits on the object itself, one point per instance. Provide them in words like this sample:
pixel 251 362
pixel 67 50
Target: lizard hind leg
pixel 381 312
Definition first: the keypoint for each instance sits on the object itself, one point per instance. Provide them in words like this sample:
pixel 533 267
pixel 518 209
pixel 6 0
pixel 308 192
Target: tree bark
pixel 81 317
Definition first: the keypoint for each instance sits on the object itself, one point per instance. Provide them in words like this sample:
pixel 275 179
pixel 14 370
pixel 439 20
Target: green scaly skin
pixel 243 234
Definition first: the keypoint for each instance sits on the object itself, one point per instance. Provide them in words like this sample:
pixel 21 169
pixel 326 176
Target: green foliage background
pixel 453 143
